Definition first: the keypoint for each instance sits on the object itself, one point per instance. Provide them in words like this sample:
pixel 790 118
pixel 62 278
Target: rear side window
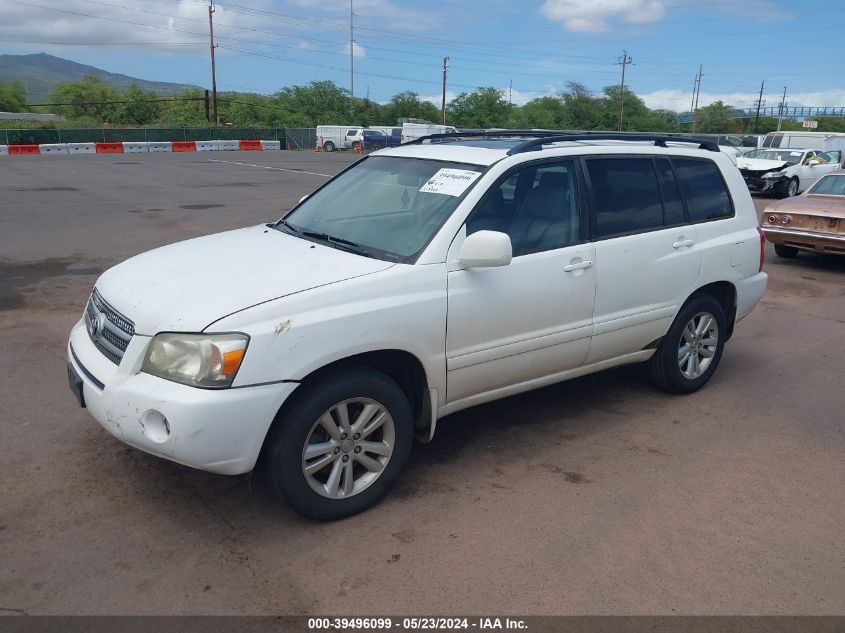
pixel 627 195
pixel 703 189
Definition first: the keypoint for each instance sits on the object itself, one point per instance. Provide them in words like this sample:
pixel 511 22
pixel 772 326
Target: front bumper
pixel 812 241
pixel 763 185
pixel 218 430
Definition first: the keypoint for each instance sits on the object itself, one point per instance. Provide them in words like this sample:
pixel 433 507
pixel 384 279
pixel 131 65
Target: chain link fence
pixel 292 138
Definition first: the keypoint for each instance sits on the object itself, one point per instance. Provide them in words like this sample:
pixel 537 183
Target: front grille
pixel 108 329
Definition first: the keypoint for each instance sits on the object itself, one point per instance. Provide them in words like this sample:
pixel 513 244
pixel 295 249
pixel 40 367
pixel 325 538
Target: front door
pixel 511 326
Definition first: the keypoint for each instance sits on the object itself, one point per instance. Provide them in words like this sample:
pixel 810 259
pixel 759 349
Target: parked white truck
pixel 332 137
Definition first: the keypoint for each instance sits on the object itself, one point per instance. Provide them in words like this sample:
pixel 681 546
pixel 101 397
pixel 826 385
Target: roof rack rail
pixel 659 140
pixel 485 134
pixel 537 138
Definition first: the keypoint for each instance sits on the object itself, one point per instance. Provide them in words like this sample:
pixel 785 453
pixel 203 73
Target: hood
pixel 187 286
pixel 760 164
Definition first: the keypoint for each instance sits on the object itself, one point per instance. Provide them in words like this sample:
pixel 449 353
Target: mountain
pixel 41 72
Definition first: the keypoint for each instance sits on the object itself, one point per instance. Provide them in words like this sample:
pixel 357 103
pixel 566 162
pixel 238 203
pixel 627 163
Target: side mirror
pixel 486 249
pixel 813 162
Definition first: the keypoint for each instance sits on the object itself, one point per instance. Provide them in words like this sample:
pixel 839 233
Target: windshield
pixel 829 186
pixel 384 206
pixel 789 156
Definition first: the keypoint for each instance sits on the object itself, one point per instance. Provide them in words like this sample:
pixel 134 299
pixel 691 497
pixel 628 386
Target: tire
pixel 328 146
pixel 790 189
pixel 664 368
pixel 299 425
pixel 782 250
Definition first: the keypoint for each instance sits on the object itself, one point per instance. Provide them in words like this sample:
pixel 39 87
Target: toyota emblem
pixel 96 326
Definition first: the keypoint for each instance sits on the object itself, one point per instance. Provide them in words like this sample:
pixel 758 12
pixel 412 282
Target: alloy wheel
pixel 348 448
pixel 698 345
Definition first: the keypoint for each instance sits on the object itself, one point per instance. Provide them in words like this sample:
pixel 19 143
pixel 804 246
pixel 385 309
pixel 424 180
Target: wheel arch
pixel 725 293
pixel 401 366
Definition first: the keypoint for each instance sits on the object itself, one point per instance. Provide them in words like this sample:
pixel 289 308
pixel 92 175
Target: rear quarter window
pixel 703 189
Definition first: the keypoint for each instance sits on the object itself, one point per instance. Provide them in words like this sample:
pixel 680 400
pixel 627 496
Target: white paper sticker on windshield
pixel 450 182
pixel 795 153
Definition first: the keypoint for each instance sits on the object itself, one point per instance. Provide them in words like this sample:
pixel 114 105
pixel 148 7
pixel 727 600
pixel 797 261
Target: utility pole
pixel 351 53
pixel 510 93
pixel 696 93
pixel 781 108
pixel 213 69
pixel 759 105
pixel 624 61
pixel 443 99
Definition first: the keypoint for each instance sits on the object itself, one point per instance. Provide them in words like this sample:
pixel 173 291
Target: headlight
pixel 198 360
pixel 774 174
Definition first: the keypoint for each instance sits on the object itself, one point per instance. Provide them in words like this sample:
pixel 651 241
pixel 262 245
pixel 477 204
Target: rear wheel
pixel 782 250
pixel 341 444
pixel 328 146
pixel 690 352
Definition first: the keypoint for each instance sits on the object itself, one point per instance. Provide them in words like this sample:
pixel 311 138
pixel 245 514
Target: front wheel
pixel 688 355
pixel 790 190
pixel 341 444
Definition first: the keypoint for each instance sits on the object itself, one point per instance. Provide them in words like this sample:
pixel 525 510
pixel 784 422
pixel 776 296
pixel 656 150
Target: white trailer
pixel 332 137
pixel 412 131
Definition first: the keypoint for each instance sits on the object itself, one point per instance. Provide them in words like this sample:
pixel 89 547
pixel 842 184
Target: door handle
pixel 681 243
pixel 578 266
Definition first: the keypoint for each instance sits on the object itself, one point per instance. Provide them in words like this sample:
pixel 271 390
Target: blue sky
pixel 538 45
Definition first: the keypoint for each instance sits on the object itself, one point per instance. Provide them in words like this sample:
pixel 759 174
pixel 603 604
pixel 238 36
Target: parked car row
pixel 335 137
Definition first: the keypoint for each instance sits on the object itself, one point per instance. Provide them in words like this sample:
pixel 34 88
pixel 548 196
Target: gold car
pixel 813 221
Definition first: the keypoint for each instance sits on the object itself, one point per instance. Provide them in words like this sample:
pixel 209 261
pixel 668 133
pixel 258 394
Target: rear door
pixel 647 252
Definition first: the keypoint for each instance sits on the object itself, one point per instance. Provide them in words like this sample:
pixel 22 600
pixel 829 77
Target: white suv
pixel 420 281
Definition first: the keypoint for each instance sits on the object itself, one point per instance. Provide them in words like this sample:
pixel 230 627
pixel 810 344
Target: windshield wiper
pixel 289 226
pixel 340 242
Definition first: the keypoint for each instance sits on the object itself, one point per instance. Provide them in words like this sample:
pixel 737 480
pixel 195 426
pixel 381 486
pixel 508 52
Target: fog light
pixel 155 425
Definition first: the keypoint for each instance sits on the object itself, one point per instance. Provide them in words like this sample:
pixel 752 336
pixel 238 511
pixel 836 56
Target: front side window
pixel 627 195
pixel 703 189
pixel 537 206
pixel 385 207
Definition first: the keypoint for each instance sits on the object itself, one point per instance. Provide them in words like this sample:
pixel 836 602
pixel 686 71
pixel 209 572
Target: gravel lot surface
pixel 596 496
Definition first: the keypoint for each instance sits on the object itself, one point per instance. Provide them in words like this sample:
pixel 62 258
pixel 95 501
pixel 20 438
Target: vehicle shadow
pixel 512 428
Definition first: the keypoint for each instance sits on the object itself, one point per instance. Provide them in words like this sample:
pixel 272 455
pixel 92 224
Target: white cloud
pixel 357 49
pixel 592 16
pixel 679 100
pixel 76 21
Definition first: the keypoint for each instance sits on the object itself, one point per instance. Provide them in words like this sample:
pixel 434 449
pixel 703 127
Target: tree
pixel 142 108
pixel 482 108
pixel 320 102
pixel 88 97
pixel 718 118
pixel 582 110
pixel 12 96
pixel 408 105
pixel 543 112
